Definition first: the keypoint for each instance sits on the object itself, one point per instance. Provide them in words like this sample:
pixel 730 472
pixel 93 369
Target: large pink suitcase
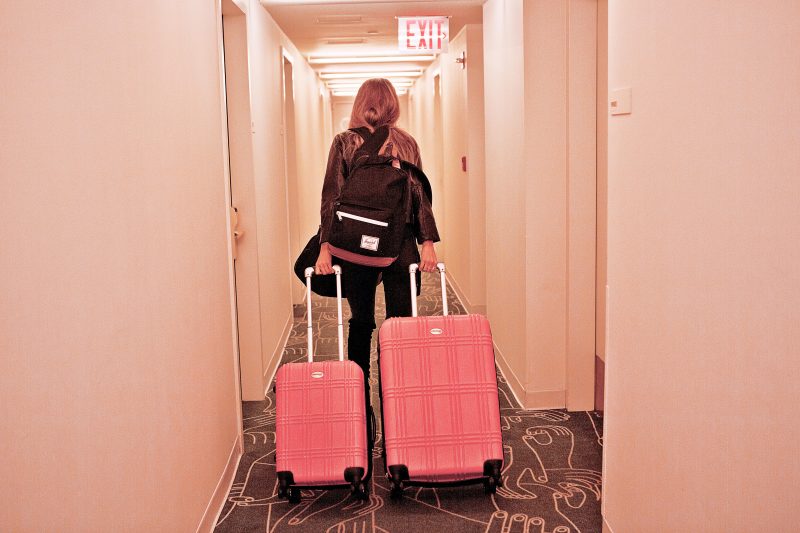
pixel 440 407
pixel 321 429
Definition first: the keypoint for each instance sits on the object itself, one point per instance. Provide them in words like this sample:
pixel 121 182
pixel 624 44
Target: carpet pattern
pixel 551 475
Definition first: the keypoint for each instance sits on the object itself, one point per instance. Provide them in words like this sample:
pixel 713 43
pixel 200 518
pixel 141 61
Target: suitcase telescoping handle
pixel 412 270
pixel 340 328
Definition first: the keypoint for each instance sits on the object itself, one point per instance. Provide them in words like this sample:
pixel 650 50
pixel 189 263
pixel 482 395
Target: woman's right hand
pixel 324 265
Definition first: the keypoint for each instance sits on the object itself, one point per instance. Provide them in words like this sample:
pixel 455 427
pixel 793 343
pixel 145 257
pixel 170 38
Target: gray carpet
pixel 551 473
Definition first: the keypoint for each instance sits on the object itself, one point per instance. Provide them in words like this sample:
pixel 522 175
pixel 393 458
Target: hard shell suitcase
pixel 322 435
pixel 439 400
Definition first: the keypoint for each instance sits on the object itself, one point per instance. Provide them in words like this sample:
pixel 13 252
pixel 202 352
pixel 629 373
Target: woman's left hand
pixel 428 259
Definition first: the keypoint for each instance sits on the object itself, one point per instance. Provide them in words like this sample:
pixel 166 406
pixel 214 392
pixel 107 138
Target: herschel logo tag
pixel 436 331
pixel 369 243
pixel 317 375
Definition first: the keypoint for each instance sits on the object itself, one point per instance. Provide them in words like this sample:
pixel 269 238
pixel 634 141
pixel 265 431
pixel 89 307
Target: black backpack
pixel 369 217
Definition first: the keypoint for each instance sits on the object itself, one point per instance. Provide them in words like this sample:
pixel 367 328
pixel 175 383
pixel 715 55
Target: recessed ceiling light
pixel 345 40
pixel 397 84
pixel 367 75
pixel 368 59
pixel 339 19
pixel 358 83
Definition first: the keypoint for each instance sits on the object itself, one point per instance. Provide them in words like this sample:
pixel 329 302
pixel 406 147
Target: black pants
pixel 361 285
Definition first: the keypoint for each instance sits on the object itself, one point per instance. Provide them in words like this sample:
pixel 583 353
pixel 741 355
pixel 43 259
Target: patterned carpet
pixel 551 475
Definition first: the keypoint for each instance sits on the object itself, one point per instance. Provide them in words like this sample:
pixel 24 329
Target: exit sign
pixel 423 34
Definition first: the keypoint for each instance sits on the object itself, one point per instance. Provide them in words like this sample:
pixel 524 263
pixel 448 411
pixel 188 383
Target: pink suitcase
pixel 439 401
pixel 321 432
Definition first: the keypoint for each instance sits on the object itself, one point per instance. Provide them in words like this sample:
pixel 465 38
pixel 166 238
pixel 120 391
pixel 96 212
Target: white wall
pixel 313 144
pixel 540 196
pixel 422 125
pixel 505 185
pixel 118 407
pixel 464 193
pixel 704 243
pixel 276 250
pixel 459 196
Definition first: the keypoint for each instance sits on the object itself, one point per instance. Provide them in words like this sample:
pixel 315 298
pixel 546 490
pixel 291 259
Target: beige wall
pixel 540 196
pixel 704 288
pixel 313 145
pixel 272 202
pixel 422 125
pixel 117 376
pixel 342 107
pixel 506 284
pixel 459 197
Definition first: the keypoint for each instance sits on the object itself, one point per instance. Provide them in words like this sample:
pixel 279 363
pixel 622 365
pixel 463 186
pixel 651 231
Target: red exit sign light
pixel 423 34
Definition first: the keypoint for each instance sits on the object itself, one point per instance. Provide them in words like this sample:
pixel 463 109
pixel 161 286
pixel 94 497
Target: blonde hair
pixel 376 105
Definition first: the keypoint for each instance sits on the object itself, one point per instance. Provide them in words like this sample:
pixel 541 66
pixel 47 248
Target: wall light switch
pixel 620 101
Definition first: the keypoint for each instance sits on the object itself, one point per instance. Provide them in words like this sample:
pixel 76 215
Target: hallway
pixel 615 183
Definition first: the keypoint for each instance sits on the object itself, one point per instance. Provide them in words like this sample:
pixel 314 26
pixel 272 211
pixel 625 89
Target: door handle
pixel 235 231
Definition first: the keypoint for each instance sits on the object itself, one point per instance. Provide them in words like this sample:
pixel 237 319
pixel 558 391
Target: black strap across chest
pixel 372 140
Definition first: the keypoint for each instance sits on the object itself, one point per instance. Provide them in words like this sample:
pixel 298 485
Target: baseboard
pixel 546 399
pixel 277 354
pixel 606 527
pixel 462 297
pixel 529 400
pixel 222 489
pixel 511 378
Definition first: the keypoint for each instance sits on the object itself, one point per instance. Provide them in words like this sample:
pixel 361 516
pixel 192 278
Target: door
pixel 243 209
pixel 290 153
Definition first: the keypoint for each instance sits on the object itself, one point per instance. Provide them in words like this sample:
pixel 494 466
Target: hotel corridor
pixel 615 184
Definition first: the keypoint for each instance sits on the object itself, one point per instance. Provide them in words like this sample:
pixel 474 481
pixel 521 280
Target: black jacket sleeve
pixel 423 220
pixel 332 186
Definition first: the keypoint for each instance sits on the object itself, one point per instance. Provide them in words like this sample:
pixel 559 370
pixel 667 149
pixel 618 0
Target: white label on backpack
pixel 317 375
pixel 369 243
pixel 436 331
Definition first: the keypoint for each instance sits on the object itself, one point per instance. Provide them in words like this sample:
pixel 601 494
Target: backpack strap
pixel 372 141
pixel 421 177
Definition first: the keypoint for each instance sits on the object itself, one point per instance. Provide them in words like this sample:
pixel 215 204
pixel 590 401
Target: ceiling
pixel 357 28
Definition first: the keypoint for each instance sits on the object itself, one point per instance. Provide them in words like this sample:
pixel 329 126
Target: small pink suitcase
pixel 439 401
pixel 321 432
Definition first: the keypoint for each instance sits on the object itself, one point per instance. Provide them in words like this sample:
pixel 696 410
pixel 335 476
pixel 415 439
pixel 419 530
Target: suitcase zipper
pixel 341 214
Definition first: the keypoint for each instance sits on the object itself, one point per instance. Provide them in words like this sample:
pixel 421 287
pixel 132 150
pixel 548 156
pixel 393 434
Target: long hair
pixel 376 105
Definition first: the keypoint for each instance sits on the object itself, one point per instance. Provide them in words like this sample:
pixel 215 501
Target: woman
pixel 376 105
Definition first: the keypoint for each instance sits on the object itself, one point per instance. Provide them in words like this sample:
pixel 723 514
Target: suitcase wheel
pixel 294 495
pixel 397 474
pixel 285 481
pixel 360 491
pixel 358 486
pixel 397 490
pixel 492 469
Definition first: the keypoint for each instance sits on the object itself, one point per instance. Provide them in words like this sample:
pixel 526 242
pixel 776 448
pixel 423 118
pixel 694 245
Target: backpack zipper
pixel 341 214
